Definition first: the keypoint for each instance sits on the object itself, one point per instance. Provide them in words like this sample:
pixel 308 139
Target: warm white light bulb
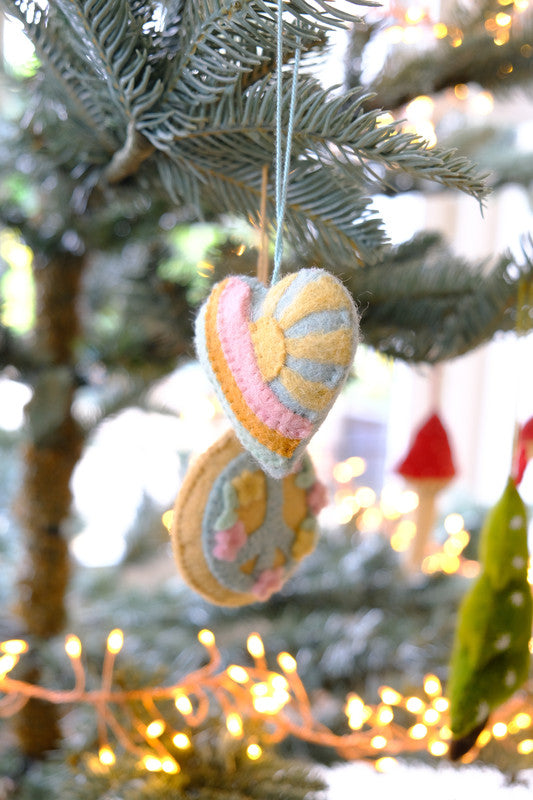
pixel 115 640
pixel 72 646
pixel 206 637
pixel 255 646
pixel 106 756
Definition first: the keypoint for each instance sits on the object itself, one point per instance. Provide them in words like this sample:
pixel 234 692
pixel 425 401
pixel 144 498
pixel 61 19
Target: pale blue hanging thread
pixel 282 165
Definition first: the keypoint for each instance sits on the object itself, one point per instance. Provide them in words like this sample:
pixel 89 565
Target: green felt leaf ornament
pixel 490 656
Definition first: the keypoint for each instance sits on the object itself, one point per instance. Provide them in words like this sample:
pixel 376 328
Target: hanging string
pixel 282 165
pixel 435 388
pixel 262 260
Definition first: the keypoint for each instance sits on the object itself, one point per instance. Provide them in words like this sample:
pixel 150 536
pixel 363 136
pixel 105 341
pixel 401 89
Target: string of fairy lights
pixel 155 723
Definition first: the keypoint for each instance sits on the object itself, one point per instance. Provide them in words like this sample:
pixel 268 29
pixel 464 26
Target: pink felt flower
pixel 268 582
pixel 317 497
pixel 229 542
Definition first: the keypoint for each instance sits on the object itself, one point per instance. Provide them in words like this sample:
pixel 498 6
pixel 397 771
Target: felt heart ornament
pixel 237 533
pixel 277 358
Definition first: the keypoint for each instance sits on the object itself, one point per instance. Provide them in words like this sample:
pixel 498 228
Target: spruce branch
pixel 495 148
pixel 220 43
pixel 336 150
pixel 165 38
pixel 406 76
pixel 267 66
pixel 336 129
pixel 322 210
pixel 223 40
pixel 116 52
pixel 66 76
pixel 422 303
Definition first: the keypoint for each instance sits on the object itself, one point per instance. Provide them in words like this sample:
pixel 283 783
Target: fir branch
pixel 223 40
pixel 406 76
pixel 165 42
pixel 334 129
pixel 421 303
pixel 325 14
pixel 495 148
pixel 143 11
pixel 323 213
pixel 266 68
pixel 65 70
pixel 115 52
pixel 220 42
pixel 230 40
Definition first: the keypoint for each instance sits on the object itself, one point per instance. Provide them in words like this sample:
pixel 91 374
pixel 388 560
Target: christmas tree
pixel 140 118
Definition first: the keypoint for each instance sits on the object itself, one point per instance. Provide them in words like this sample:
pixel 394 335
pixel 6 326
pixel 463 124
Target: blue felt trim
pixel 289 401
pixel 303 278
pixel 321 321
pixel 327 374
pixel 226 519
pixel 306 477
pixel 259 292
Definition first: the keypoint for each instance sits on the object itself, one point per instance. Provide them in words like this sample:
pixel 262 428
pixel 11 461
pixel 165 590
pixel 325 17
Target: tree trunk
pixel 43 503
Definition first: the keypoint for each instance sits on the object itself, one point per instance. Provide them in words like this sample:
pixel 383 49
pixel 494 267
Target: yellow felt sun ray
pixel 333 347
pixel 322 294
pixel 313 395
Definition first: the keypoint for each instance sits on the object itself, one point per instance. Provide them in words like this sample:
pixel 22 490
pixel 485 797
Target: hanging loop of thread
pixel 282 164
pixel 262 260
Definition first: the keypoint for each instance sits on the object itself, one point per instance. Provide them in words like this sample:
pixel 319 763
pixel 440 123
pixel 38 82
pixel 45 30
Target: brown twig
pixel 129 158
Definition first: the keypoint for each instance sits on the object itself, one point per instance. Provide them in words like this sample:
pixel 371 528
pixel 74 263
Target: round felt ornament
pixel 277 358
pixel 237 533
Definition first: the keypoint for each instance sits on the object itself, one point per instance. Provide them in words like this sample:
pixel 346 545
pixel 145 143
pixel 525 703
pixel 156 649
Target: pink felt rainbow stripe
pixel 237 346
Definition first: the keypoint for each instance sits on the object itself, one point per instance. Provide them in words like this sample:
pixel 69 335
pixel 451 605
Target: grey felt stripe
pixel 320 322
pixel 303 278
pixel 288 400
pixel 259 292
pixel 328 374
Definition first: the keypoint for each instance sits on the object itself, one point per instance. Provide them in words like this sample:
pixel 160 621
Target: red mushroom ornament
pixel 523 452
pixel 526 438
pixel 429 468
